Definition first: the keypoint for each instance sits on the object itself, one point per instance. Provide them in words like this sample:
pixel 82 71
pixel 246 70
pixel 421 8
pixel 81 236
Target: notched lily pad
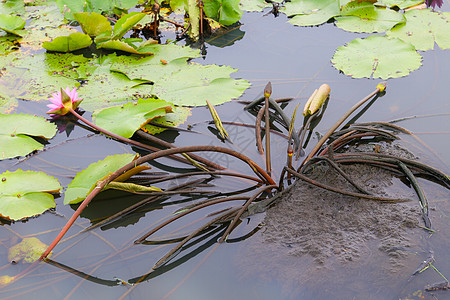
pixel 69 43
pixel 365 17
pixel 377 56
pixel 423 28
pixel 25 194
pixel 310 12
pixel 28 250
pixel 126 119
pixel 16 131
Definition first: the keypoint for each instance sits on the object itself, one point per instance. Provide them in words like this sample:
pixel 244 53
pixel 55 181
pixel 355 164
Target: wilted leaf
pixel 25 194
pixel 131 187
pixel 365 17
pixel 11 24
pixel 310 12
pixel 69 43
pixel 126 119
pixel 377 56
pixel 84 181
pixel 29 250
pixel 16 131
pixel 423 28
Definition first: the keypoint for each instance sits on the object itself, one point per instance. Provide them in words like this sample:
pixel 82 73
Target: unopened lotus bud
pixel 317 99
pixel 268 90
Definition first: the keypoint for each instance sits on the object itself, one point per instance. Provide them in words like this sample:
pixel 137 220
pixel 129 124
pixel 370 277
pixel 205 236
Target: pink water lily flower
pixel 63 101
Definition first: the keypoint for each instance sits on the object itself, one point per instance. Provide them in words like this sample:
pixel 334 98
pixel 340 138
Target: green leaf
pixel 310 12
pixel 365 17
pixel 86 180
pixel 25 194
pixel 131 187
pixel 29 250
pixel 74 6
pixel 402 4
pixel 377 56
pixel 93 24
pixel 125 23
pixel 423 28
pixel 177 117
pixel 70 43
pixel 126 119
pixel 16 131
pixel 12 6
pixel 226 12
pixel 11 24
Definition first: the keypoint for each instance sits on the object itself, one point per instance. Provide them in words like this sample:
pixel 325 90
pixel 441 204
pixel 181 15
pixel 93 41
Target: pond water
pixel 296 60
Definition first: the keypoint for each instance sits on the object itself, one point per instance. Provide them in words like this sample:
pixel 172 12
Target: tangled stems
pixel 149 157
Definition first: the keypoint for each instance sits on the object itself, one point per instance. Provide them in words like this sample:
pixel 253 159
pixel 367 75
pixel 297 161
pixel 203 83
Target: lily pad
pixel 69 7
pixel 28 250
pixel 365 17
pixel 126 119
pixel 423 28
pixel 402 4
pixel 122 46
pixel 93 24
pixel 25 194
pixel 227 12
pixel 311 12
pixel 254 5
pixel 16 131
pixel 84 181
pixel 377 56
pixel 12 6
pixel 69 43
pixel 11 24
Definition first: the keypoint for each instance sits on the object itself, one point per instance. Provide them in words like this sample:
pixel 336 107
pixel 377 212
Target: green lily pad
pixel 177 117
pixel 70 43
pixel 16 131
pixel 377 56
pixel 125 23
pixel 423 28
pixel 122 46
pixel 69 7
pixel 126 119
pixel 11 24
pixel 365 17
pixel 28 250
pixel 93 24
pixel 180 82
pixel 402 4
pixel 12 6
pixel 254 5
pixel 25 194
pixel 310 12
pixel 227 12
pixel 86 180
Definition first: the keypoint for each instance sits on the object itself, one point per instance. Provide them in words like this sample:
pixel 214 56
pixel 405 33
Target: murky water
pixel 296 60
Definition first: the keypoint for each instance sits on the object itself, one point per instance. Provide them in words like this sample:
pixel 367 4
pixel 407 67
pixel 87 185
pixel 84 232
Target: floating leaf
pixel 365 17
pixel 28 250
pixel 11 24
pixel 122 46
pixel 377 56
pixel 74 6
pixel 87 179
pixel 25 194
pixel 69 43
pixel 177 117
pixel 125 23
pixel 310 12
pixel 254 5
pixel 16 131
pixel 402 4
pixel 12 6
pixel 226 12
pixel 126 119
pixel 93 24
pixel 423 28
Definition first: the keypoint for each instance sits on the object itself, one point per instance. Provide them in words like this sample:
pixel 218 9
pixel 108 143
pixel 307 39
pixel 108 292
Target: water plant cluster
pixel 138 88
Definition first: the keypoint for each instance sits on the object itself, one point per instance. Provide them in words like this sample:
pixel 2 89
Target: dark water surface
pixel 296 60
